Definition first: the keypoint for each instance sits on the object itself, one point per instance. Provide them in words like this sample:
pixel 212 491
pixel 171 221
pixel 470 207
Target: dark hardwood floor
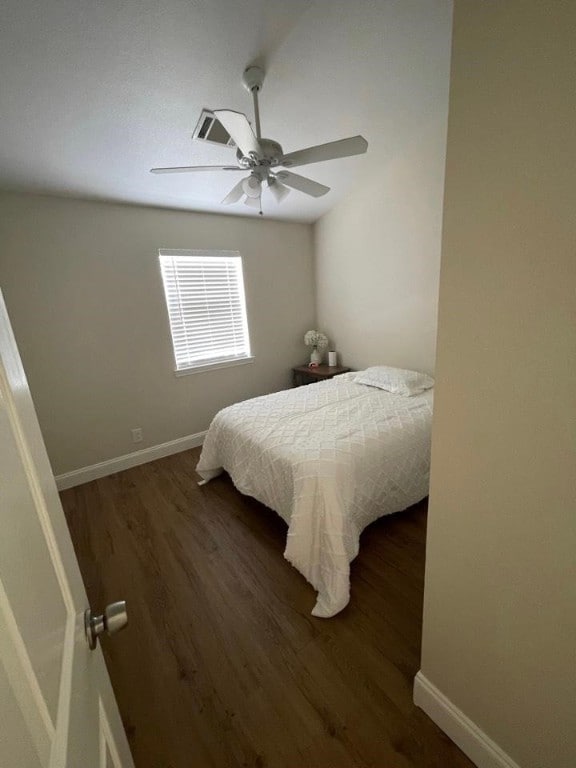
pixel 222 664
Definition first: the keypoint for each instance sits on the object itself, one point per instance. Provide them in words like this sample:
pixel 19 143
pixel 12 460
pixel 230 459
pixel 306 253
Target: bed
pixel 329 458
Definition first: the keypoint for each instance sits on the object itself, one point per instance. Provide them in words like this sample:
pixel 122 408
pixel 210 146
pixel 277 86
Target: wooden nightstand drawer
pixel 303 374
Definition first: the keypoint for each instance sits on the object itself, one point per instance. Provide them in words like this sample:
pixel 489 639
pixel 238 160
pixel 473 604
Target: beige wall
pixel 83 288
pixel 500 601
pixel 378 250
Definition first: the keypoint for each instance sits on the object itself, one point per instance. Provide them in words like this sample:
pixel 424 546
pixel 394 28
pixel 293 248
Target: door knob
pixel 111 621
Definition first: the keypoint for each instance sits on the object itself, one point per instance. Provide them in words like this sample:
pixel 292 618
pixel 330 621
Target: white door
pixel 57 708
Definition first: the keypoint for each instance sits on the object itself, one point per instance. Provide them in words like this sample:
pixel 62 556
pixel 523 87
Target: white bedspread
pixel 330 458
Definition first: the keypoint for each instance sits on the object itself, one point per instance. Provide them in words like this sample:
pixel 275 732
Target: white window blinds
pixel 206 307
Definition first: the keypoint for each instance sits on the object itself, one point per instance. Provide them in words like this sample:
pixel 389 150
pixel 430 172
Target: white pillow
pixel 395 380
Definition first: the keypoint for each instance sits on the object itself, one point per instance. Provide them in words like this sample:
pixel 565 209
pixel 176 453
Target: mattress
pixel 329 458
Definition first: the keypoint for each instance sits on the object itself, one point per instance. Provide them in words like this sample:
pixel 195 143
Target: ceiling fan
pixel 261 156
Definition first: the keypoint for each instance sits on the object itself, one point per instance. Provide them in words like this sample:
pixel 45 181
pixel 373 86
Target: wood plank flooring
pixel 222 665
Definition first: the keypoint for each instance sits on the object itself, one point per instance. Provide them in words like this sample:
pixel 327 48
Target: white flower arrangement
pixel 316 339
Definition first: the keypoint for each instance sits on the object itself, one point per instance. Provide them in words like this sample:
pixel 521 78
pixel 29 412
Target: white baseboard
pixel 472 741
pixel 93 472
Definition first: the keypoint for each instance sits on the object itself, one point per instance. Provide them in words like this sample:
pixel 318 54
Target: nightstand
pixel 303 374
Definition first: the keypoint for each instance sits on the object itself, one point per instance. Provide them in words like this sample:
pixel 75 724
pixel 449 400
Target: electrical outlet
pixel 137 435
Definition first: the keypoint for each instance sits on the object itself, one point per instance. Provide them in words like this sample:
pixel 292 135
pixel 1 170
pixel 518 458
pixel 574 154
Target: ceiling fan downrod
pixel 252 79
pixel 256 113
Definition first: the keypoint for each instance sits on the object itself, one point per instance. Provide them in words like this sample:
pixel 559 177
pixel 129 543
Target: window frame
pixel 206 365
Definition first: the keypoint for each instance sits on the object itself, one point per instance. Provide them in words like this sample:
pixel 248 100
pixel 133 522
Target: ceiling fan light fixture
pixel 279 191
pixel 252 186
pixel 234 195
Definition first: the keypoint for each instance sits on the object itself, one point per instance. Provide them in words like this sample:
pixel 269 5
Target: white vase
pixel 316 356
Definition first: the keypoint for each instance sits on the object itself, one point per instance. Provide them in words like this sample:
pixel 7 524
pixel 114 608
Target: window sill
pixel 213 366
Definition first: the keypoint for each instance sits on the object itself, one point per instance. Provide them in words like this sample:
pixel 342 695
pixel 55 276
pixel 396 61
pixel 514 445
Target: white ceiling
pixel 93 93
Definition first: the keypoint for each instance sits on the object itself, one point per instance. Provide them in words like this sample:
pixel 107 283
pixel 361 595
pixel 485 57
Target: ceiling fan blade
pixel 235 194
pixel 191 168
pixel 279 191
pixel 302 184
pixel 355 145
pixel 237 125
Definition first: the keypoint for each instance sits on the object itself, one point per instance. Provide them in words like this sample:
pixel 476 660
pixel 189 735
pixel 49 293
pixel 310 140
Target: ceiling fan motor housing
pixel 270 154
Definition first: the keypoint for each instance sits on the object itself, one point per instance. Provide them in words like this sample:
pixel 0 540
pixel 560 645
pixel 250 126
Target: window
pixel 206 307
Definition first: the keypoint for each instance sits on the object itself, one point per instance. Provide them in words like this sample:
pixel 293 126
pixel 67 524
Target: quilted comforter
pixel 329 458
